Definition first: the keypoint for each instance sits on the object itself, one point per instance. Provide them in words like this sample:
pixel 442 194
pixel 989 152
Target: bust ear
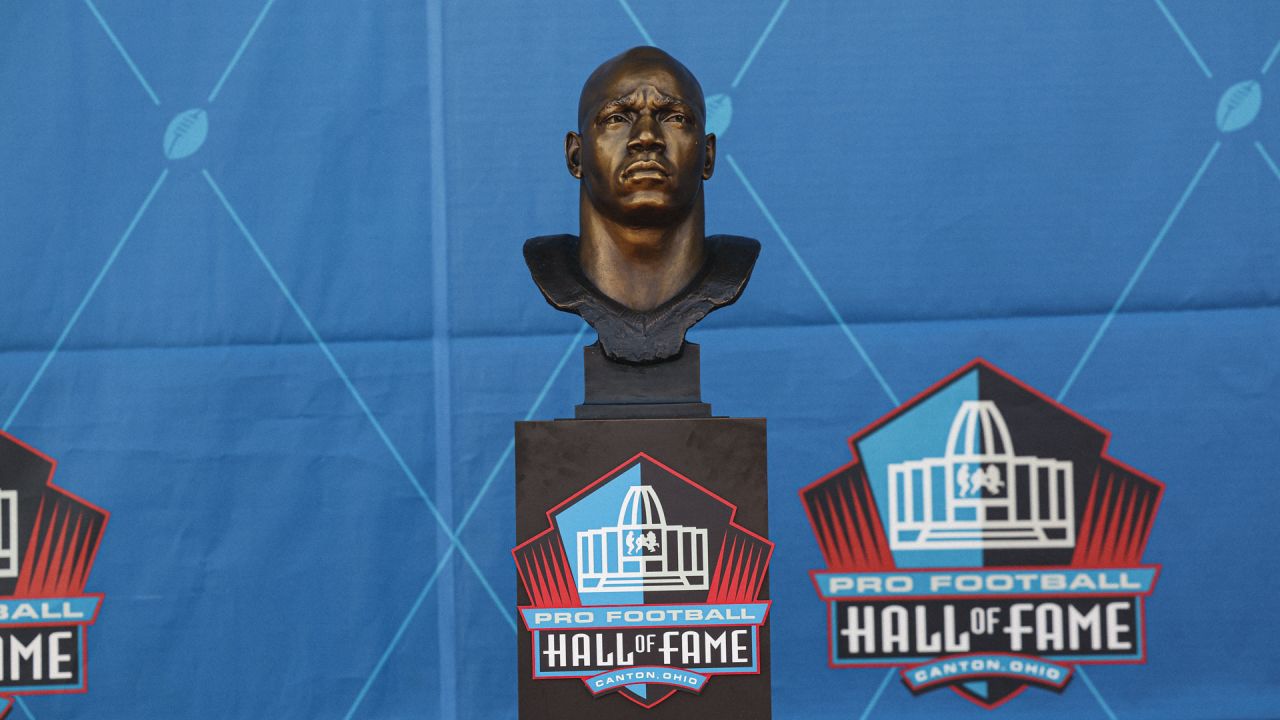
pixel 709 167
pixel 573 153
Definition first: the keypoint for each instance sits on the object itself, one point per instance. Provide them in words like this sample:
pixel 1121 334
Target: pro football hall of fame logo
pixel 643 585
pixel 48 539
pixel 981 539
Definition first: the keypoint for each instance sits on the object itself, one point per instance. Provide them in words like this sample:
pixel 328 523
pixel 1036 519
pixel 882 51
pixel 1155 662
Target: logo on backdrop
pixel 48 539
pixel 981 539
pixel 643 585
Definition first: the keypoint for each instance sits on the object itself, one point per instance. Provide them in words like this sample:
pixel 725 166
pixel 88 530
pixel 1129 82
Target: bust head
pixel 640 150
pixel 642 270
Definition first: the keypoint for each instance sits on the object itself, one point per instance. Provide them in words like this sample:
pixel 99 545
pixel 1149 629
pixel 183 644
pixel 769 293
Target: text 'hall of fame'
pixel 642 522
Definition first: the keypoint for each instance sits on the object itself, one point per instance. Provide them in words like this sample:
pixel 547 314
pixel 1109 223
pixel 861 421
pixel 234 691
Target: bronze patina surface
pixel 642 270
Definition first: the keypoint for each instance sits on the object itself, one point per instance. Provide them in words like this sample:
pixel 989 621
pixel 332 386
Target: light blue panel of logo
pixel 596 510
pixel 919 433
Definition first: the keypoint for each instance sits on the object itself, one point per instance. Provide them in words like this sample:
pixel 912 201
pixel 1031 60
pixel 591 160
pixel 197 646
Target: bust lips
pixel 645 170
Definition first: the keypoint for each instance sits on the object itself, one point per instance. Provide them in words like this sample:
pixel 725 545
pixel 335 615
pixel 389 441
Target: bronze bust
pixel 642 272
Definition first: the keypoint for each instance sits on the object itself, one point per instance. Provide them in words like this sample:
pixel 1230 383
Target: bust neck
pixel 640 267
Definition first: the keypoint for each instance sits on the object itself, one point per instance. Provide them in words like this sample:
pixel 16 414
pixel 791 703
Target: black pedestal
pixel 715 463
pixel 616 390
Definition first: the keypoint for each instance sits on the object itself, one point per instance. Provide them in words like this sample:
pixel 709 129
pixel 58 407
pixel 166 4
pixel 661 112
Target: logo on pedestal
pixel 981 539
pixel 48 540
pixel 643 585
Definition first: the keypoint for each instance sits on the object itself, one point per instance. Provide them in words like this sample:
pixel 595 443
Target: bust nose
pixel 646 135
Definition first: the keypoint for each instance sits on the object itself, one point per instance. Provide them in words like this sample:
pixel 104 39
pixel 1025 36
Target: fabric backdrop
pixel 264 301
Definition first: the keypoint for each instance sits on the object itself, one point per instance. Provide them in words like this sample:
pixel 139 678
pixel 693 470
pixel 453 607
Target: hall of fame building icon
pixel 980 494
pixel 969 564
pixel 642 552
pixel 9 551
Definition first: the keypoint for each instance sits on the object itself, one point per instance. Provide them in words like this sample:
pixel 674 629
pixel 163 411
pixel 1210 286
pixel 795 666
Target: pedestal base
pixel 616 390
pixel 714 462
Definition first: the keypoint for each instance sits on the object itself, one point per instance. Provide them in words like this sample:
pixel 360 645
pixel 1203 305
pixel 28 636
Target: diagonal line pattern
pixel 1271 58
pixel 84 302
pixel 235 59
pixel 817 287
pixel 574 343
pixel 1137 273
pixel 1267 158
pixel 1097 695
pixel 1185 40
pixel 505 455
pixel 750 56
pixel 364 408
pixel 462 524
pixel 875 699
pixel 804 268
pixel 759 43
pixel 395 641
pixel 635 20
pixel 23 704
pixel 123 53
pixel 1142 265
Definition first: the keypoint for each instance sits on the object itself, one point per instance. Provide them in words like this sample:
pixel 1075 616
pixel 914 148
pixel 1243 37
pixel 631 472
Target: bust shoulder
pixel 629 335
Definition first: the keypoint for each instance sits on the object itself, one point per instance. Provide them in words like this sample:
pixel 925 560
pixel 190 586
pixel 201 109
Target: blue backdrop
pixel 264 301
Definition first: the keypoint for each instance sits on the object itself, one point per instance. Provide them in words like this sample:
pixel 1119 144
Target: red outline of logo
pixel 764 566
pixel 90 557
pixel 877 535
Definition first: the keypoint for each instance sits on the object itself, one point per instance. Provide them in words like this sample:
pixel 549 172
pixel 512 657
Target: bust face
pixel 642 154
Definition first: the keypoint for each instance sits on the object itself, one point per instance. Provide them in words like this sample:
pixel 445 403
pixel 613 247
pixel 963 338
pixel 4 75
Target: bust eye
pixel 677 118
pixel 615 119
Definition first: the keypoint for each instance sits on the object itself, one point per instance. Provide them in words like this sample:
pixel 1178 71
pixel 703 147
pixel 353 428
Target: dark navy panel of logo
pixel 982 539
pixel 48 540
pixel 643 585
